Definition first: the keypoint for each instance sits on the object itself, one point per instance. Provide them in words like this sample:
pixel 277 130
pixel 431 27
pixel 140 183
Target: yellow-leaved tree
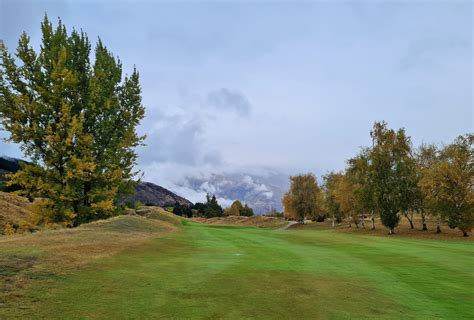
pixel 75 119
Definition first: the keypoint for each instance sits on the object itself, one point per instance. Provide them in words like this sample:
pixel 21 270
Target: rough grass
pixel 225 272
pixel 13 211
pixel 158 213
pixel 255 221
pixel 52 254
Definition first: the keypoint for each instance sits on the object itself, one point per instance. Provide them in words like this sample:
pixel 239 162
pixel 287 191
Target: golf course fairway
pixel 228 272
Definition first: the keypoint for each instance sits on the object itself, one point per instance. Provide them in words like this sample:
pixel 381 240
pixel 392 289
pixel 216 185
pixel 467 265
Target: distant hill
pixel 146 192
pixel 151 194
pixel 8 164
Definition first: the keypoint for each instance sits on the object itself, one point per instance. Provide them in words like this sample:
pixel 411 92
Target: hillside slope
pixel 36 259
pixel 13 211
pixel 152 194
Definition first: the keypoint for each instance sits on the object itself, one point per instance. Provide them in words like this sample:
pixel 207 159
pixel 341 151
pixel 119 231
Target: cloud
pixel 228 99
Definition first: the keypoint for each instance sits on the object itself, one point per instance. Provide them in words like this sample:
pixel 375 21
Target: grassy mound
pixel 254 221
pixel 51 254
pixel 14 213
pixel 160 214
pixel 126 224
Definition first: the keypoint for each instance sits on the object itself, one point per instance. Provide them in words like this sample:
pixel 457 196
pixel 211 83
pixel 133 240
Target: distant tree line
pixel 211 209
pixel 391 179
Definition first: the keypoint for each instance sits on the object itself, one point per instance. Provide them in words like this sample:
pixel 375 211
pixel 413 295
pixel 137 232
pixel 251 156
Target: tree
pixel 363 188
pixel 182 210
pixel 449 184
pixel 329 190
pixel 390 158
pixel 303 199
pixel 76 121
pixel 246 211
pixel 213 208
pixel 426 157
pixel 345 197
pixel 235 209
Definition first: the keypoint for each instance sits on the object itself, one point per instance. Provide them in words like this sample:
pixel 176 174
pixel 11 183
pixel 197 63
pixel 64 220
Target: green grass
pixel 215 272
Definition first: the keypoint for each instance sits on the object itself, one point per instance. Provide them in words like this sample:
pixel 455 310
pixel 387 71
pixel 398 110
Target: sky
pixel 259 87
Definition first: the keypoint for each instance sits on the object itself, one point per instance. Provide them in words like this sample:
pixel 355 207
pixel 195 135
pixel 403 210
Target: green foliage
pixel 75 119
pixel 391 172
pixel 182 210
pixel 274 213
pixel 209 209
pixel 246 211
pixel 213 208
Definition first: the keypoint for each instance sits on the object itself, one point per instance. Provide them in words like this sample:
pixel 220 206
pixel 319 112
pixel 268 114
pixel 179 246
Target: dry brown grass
pixel 403 230
pixel 14 213
pixel 256 221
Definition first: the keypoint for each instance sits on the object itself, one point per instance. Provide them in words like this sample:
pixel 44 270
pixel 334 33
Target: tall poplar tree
pixel 75 119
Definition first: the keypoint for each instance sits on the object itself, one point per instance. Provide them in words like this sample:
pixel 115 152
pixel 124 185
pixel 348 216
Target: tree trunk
pixel 438 225
pixel 363 221
pixel 410 220
pixel 373 221
pixel 391 231
pixel 333 222
pixel 423 220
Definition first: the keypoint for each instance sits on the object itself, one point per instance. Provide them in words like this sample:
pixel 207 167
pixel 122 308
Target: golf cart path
pixel 289 224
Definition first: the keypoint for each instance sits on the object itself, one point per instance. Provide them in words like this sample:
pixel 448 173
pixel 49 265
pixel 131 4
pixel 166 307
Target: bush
pixel 182 210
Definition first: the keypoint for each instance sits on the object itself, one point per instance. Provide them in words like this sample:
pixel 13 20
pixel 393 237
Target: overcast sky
pixel 292 87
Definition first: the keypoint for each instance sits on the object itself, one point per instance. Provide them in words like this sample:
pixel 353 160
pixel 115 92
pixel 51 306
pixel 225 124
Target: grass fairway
pixel 214 272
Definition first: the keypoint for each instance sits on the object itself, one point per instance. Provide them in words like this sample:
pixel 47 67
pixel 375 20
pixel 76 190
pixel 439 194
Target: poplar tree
pixel 75 120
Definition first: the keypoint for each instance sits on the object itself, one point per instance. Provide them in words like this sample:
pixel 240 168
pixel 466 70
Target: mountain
pixel 146 192
pixel 261 192
pixel 151 194
pixel 8 164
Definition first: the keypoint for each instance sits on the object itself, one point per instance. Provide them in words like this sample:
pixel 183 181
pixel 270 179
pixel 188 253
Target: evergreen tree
pixel 76 121
pixel 213 208
pixel 246 211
